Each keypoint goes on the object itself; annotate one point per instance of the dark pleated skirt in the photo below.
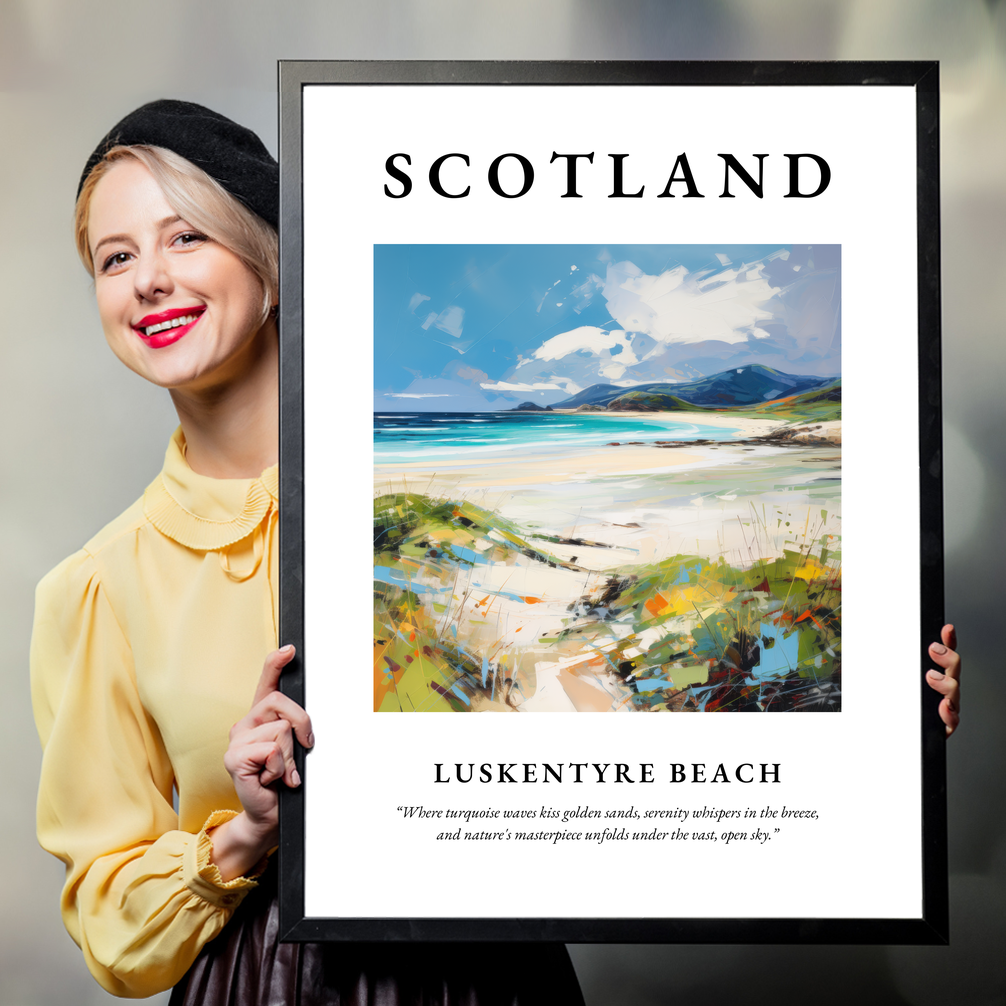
(246, 965)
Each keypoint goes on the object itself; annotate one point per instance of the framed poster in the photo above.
(633, 371)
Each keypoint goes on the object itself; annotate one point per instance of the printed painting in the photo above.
(607, 478)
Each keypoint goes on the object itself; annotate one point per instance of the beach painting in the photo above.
(607, 478)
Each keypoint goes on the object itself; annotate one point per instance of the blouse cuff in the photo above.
(202, 876)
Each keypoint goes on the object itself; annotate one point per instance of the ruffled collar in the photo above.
(203, 513)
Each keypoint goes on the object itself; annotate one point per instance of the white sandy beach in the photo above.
(619, 506)
(648, 501)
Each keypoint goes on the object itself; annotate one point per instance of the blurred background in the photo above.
(84, 437)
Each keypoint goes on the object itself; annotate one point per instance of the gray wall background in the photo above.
(82, 436)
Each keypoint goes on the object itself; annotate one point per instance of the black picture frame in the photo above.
(931, 926)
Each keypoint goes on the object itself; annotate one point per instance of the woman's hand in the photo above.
(947, 682)
(260, 753)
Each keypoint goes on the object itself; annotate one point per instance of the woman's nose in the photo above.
(152, 277)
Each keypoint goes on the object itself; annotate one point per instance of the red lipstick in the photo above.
(165, 333)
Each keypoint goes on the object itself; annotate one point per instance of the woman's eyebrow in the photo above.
(109, 240)
(160, 225)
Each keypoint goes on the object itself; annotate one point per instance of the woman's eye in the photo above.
(190, 238)
(114, 261)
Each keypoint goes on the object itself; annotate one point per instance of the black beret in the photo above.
(230, 154)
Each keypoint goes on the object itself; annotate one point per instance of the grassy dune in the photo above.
(687, 633)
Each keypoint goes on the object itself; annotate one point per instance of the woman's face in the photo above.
(177, 308)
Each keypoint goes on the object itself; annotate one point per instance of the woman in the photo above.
(148, 643)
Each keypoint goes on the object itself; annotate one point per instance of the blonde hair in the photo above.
(199, 200)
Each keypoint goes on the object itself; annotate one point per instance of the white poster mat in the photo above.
(859, 769)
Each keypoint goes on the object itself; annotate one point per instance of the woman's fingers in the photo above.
(261, 749)
(947, 680)
(271, 671)
(949, 712)
(274, 766)
(949, 688)
(949, 636)
(275, 706)
(278, 735)
(270, 703)
(947, 657)
(259, 761)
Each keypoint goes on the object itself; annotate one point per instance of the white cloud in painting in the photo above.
(613, 349)
(450, 320)
(417, 299)
(677, 325)
(586, 338)
(660, 320)
(570, 387)
(510, 386)
(683, 307)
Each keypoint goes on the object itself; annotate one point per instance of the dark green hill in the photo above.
(752, 384)
(821, 405)
(652, 401)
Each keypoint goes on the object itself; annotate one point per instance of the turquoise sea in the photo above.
(443, 437)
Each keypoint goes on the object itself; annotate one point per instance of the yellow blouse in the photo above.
(147, 647)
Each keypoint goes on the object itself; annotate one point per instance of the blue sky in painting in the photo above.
(482, 327)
